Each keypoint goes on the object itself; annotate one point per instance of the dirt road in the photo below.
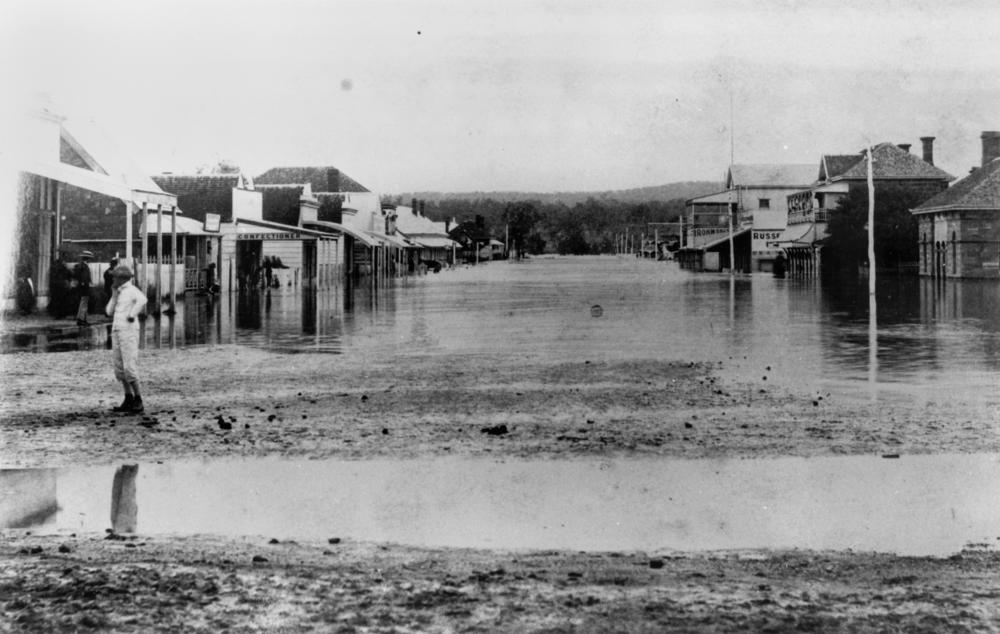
(54, 411)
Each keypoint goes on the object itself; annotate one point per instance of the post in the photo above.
(871, 227)
(159, 255)
(184, 252)
(732, 249)
(128, 231)
(58, 207)
(173, 256)
(145, 248)
(872, 308)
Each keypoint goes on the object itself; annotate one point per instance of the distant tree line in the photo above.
(535, 227)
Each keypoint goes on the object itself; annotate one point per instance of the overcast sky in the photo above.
(459, 95)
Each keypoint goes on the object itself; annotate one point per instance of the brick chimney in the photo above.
(413, 206)
(928, 142)
(991, 146)
(905, 146)
(333, 180)
(422, 202)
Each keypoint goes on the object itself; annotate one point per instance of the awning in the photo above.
(392, 241)
(99, 183)
(246, 227)
(800, 235)
(718, 198)
(724, 238)
(354, 233)
(185, 226)
(434, 242)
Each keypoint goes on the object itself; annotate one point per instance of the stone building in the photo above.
(959, 229)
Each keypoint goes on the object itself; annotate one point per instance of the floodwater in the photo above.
(804, 333)
(931, 338)
(912, 505)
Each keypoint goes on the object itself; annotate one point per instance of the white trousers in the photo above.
(125, 352)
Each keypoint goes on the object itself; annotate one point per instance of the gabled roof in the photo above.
(836, 164)
(771, 175)
(409, 223)
(321, 179)
(889, 161)
(78, 152)
(978, 190)
(280, 203)
(102, 154)
(200, 194)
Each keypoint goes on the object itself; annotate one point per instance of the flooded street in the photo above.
(802, 333)
(595, 438)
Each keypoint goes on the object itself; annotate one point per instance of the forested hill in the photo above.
(656, 193)
(562, 222)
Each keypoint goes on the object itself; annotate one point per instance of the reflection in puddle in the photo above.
(919, 505)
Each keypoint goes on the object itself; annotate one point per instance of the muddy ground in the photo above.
(54, 411)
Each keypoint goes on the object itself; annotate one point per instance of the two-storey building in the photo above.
(754, 203)
(809, 210)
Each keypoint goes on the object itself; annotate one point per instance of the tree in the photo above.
(520, 219)
(896, 233)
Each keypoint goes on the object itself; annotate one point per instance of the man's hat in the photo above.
(87, 255)
(123, 271)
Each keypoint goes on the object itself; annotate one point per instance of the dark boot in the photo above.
(125, 406)
(136, 407)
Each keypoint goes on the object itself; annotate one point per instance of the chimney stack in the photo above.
(905, 147)
(413, 206)
(333, 180)
(928, 142)
(422, 207)
(991, 146)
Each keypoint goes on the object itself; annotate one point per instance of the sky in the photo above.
(466, 95)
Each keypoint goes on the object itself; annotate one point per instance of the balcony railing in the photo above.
(811, 215)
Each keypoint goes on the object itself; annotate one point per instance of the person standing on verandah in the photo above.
(81, 274)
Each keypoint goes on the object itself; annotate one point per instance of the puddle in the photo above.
(914, 505)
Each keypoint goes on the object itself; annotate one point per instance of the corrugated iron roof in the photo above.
(320, 178)
(198, 194)
(771, 175)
